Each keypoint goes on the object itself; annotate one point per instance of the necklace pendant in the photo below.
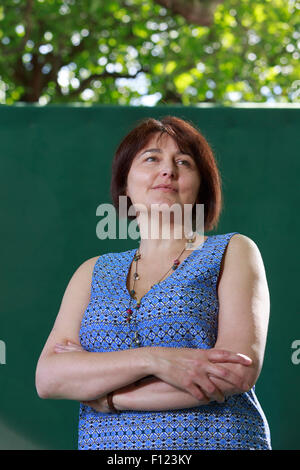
(176, 263)
(129, 314)
(136, 339)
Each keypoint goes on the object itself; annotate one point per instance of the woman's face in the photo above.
(161, 163)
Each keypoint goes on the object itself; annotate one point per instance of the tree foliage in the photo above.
(122, 51)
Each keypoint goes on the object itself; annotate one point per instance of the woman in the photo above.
(162, 345)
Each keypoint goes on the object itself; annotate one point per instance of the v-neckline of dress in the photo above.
(167, 279)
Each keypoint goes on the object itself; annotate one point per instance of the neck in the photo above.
(152, 249)
(164, 240)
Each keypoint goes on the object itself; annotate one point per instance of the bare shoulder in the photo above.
(89, 263)
(79, 285)
(242, 256)
(73, 305)
(87, 267)
(241, 241)
(242, 248)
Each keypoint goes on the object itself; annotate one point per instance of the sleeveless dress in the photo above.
(180, 311)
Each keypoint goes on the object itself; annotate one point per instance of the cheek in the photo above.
(138, 181)
(196, 185)
(190, 187)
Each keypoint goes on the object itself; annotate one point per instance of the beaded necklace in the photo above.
(136, 277)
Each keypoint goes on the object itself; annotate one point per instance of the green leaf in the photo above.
(139, 30)
(182, 81)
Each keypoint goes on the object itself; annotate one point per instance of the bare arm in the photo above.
(243, 322)
(156, 394)
(152, 394)
(83, 375)
(244, 306)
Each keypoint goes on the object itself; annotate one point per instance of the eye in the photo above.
(186, 162)
(148, 158)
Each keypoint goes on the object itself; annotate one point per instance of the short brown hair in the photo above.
(189, 140)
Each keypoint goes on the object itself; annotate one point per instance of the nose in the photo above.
(168, 170)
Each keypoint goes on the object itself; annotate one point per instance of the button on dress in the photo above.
(179, 312)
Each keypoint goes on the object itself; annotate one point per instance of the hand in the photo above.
(229, 389)
(190, 369)
(99, 404)
(68, 347)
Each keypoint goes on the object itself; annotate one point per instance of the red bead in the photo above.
(176, 261)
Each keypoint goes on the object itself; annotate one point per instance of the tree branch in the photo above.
(28, 29)
(98, 76)
(199, 12)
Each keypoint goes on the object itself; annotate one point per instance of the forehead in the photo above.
(158, 141)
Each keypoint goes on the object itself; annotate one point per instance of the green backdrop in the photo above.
(55, 171)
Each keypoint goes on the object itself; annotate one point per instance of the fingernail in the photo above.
(246, 358)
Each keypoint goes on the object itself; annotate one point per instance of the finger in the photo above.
(76, 347)
(198, 393)
(91, 403)
(226, 388)
(62, 345)
(59, 347)
(211, 390)
(65, 349)
(68, 348)
(218, 394)
(69, 343)
(221, 355)
(59, 351)
(229, 376)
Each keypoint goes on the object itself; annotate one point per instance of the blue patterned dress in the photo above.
(181, 311)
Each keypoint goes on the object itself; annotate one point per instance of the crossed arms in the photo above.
(169, 378)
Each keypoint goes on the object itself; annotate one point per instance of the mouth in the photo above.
(166, 189)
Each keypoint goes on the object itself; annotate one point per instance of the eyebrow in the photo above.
(159, 150)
